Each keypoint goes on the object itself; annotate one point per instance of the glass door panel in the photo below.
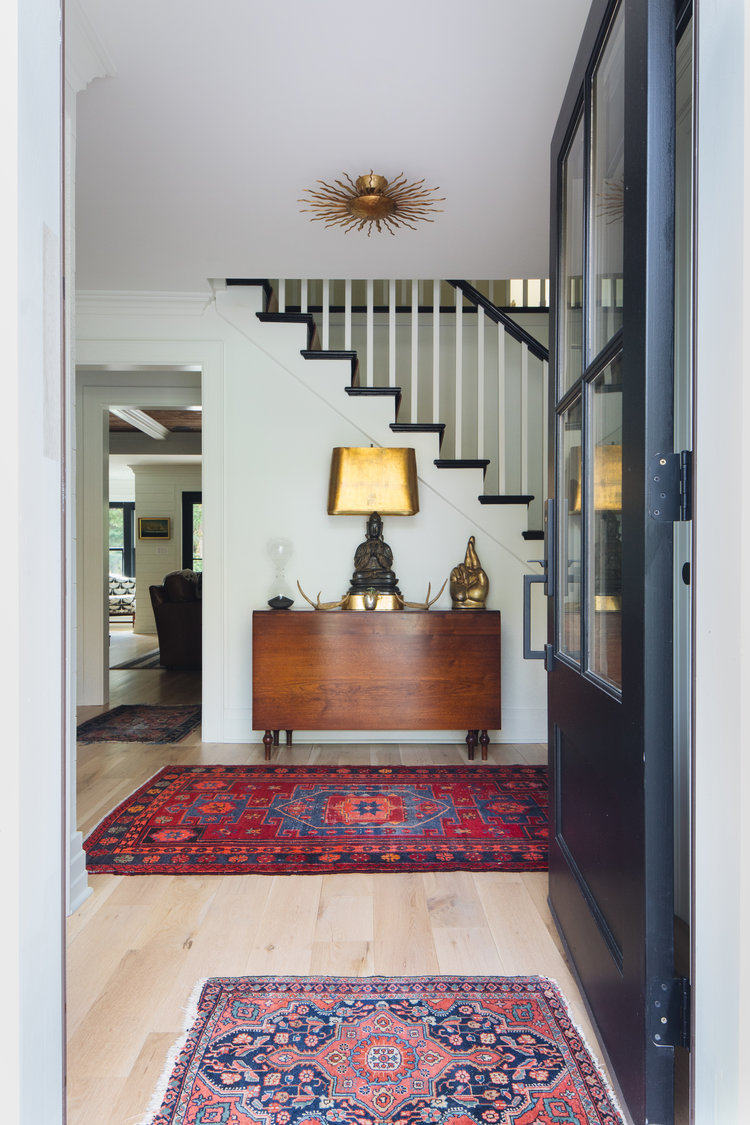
(570, 544)
(607, 192)
(571, 287)
(604, 527)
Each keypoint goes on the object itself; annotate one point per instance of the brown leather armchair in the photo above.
(177, 609)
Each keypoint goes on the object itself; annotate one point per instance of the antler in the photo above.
(319, 604)
(422, 605)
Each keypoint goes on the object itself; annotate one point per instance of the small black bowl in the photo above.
(281, 603)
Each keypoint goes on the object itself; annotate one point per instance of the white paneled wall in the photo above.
(158, 492)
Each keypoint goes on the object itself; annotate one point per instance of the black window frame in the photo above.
(189, 500)
(128, 537)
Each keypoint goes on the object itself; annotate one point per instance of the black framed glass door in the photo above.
(609, 554)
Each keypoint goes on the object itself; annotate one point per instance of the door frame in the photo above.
(721, 557)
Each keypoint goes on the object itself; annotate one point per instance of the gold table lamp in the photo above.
(373, 482)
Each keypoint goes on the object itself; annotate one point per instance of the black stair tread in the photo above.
(532, 534)
(506, 499)
(377, 392)
(350, 357)
(418, 427)
(328, 354)
(289, 317)
(462, 463)
(313, 342)
(373, 391)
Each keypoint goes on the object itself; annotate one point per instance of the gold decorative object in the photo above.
(322, 605)
(427, 602)
(371, 201)
(469, 584)
(373, 600)
(373, 480)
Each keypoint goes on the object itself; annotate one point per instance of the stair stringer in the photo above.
(372, 416)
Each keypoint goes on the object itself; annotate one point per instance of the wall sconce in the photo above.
(373, 482)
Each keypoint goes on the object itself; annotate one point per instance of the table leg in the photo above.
(276, 738)
(267, 744)
(471, 741)
(289, 738)
(484, 741)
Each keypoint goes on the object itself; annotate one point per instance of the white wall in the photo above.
(158, 492)
(122, 488)
(32, 685)
(721, 934)
(267, 440)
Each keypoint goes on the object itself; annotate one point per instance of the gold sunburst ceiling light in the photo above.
(371, 202)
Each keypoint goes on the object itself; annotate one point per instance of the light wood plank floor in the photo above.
(138, 944)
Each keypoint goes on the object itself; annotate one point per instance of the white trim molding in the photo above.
(86, 57)
(125, 303)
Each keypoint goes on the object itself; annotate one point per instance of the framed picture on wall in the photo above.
(154, 527)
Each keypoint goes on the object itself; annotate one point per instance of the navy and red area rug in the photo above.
(382, 1051)
(277, 820)
(141, 722)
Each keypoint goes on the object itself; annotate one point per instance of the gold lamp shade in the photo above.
(373, 479)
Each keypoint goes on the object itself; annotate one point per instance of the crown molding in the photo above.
(90, 302)
(86, 57)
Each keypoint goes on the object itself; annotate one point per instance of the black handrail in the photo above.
(493, 312)
(499, 317)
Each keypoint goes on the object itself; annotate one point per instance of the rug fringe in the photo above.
(190, 1014)
(594, 1060)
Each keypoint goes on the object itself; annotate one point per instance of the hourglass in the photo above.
(280, 551)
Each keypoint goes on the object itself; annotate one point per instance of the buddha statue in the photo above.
(469, 585)
(373, 560)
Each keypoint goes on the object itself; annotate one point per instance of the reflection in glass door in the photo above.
(604, 536)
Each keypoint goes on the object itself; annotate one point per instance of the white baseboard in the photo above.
(78, 886)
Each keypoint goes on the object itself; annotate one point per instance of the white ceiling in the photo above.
(192, 156)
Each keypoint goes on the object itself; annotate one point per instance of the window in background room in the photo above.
(192, 531)
(122, 538)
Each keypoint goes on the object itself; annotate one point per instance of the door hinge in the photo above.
(669, 1013)
(670, 487)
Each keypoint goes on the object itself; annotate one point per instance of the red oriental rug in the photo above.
(383, 1051)
(272, 820)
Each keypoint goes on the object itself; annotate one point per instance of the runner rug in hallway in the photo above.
(276, 820)
(141, 722)
(382, 1051)
(147, 660)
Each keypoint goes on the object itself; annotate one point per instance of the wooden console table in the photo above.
(378, 670)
